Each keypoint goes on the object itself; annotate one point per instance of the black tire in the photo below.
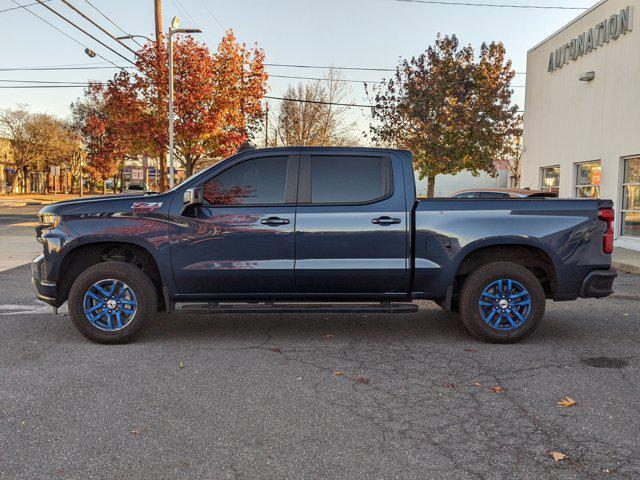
(473, 292)
(137, 281)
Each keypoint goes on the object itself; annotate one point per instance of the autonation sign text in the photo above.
(605, 31)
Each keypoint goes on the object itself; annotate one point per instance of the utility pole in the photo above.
(158, 16)
(266, 125)
(173, 29)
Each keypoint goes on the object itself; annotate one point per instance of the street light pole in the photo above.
(173, 29)
(131, 37)
(171, 165)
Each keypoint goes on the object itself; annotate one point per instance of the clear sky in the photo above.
(358, 33)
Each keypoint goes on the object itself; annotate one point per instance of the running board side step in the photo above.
(277, 307)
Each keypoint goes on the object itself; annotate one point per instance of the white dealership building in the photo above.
(582, 112)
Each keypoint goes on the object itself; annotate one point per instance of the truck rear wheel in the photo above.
(110, 302)
(502, 302)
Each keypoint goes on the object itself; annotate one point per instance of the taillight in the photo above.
(607, 215)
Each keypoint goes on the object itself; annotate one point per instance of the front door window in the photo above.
(260, 181)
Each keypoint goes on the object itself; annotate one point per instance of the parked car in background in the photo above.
(135, 189)
(319, 230)
(503, 193)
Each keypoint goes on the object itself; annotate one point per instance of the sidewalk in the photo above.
(626, 260)
(21, 200)
(18, 250)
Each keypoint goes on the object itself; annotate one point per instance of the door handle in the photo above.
(385, 220)
(274, 221)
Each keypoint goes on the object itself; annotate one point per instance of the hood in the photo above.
(113, 203)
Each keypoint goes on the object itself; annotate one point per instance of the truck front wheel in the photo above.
(502, 302)
(111, 301)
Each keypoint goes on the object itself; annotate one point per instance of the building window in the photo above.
(631, 197)
(550, 179)
(588, 180)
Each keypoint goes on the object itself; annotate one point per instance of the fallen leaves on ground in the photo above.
(276, 349)
(497, 389)
(181, 364)
(566, 402)
(449, 385)
(557, 456)
(362, 380)
(338, 373)
(477, 384)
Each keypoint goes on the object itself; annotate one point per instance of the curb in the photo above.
(626, 268)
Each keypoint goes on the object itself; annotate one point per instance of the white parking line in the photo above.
(40, 309)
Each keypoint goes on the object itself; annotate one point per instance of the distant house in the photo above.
(6, 162)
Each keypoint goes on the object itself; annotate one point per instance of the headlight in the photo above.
(49, 220)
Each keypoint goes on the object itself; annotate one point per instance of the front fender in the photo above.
(149, 232)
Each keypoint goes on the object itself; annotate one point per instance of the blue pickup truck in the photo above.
(318, 230)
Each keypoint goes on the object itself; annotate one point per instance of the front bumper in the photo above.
(598, 283)
(45, 290)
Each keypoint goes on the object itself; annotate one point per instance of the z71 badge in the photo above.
(145, 207)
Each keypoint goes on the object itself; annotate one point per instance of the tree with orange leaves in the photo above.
(105, 145)
(216, 100)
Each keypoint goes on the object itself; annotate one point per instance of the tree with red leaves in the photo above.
(95, 118)
(216, 100)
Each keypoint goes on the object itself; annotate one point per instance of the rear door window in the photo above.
(349, 179)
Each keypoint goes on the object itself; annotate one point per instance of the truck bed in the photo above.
(447, 230)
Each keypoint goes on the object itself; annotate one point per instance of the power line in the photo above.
(112, 22)
(82, 30)
(88, 67)
(345, 80)
(278, 76)
(212, 15)
(50, 82)
(61, 31)
(183, 9)
(269, 97)
(61, 65)
(42, 69)
(324, 79)
(331, 67)
(493, 5)
(44, 86)
(319, 102)
(21, 6)
(98, 26)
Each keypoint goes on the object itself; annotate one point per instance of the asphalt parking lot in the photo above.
(357, 396)
(312, 396)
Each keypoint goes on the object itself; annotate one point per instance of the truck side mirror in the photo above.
(192, 196)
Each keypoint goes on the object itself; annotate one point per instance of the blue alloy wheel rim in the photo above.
(110, 305)
(505, 304)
